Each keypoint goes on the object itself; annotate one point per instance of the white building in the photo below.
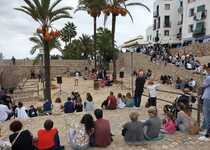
(166, 22)
(196, 22)
(150, 35)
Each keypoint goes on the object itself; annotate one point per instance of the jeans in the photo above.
(206, 113)
(137, 100)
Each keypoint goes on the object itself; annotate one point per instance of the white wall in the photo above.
(189, 20)
(149, 34)
(174, 18)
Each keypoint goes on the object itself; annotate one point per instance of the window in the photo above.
(158, 22)
(191, 12)
(166, 32)
(167, 6)
(155, 24)
(167, 22)
(201, 8)
(190, 30)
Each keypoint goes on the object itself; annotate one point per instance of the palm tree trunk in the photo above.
(95, 28)
(47, 79)
(113, 46)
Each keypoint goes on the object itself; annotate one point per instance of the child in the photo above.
(32, 112)
(78, 105)
(152, 101)
(129, 100)
(169, 125)
(89, 104)
(76, 79)
(69, 105)
(21, 111)
(152, 126)
(120, 103)
(110, 103)
(57, 106)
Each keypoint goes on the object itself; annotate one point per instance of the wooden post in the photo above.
(38, 89)
(199, 111)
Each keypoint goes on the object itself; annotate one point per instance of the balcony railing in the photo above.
(180, 10)
(167, 25)
(155, 14)
(200, 30)
(180, 22)
(200, 16)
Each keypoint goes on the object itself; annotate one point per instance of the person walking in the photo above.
(206, 104)
(140, 81)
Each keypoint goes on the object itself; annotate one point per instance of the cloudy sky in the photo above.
(17, 27)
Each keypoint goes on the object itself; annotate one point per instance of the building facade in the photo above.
(166, 19)
(149, 35)
(196, 22)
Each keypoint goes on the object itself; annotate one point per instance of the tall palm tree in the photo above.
(39, 45)
(116, 8)
(68, 32)
(87, 44)
(94, 9)
(45, 13)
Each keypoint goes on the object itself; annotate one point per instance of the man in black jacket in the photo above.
(140, 81)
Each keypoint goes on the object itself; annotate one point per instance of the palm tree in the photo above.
(116, 8)
(39, 45)
(68, 32)
(45, 13)
(94, 9)
(87, 44)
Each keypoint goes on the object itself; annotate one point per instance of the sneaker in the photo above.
(203, 138)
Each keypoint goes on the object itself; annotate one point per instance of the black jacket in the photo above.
(140, 81)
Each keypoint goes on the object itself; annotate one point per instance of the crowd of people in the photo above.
(162, 55)
(98, 133)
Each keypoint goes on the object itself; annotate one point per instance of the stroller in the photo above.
(186, 99)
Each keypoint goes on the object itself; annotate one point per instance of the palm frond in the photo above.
(58, 17)
(54, 5)
(138, 4)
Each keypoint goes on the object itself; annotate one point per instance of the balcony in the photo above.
(180, 22)
(167, 25)
(179, 36)
(200, 16)
(155, 14)
(180, 10)
(200, 30)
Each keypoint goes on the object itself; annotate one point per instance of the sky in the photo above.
(16, 27)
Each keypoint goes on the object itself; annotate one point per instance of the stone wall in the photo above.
(198, 49)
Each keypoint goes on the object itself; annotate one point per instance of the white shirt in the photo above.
(152, 90)
(21, 113)
(4, 111)
(120, 103)
(77, 76)
(192, 83)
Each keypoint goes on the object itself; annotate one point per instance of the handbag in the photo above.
(124, 130)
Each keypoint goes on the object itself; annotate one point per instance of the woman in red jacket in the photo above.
(48, 138)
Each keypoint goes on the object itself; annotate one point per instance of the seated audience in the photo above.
(89, 104)
(120, 103)
(47, 107)
(133, 131)
(20, 139)
(179, 84)
(5, 113)
(48, 138)
(20, 111)
(183, 120)
(169, 124)
(110, 103)
(129, 100)
(102, 130)
(79, 137)
(57, 106)
(152, 126)
(78, 105)
(32, 112)
(69, 106)
(186, 98)
(192, 84)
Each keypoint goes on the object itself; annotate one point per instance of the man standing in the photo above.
(206, 104)
(140, 81)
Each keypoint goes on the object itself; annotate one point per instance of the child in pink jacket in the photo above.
(169, 125)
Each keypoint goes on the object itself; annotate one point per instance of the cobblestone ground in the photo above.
(117, 118)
